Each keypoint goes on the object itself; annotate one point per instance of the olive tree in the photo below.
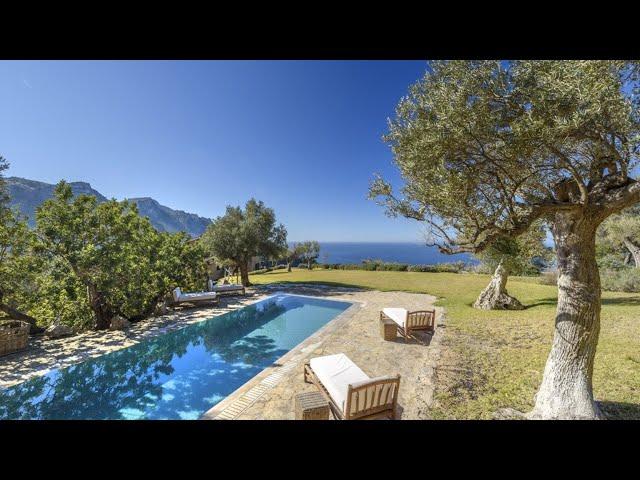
(621, 232)
(290, 254)
(487, 148)
(308, 251)
(511, 255)
(241, 234)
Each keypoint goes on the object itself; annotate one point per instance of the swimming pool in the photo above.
(178, 375)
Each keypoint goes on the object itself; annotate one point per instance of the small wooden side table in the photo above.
(388, 328)
(311, 406)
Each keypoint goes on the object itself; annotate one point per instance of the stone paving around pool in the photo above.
(270, 395)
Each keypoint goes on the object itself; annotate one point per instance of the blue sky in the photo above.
(304, 137)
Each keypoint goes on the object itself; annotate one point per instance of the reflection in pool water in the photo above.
(179, 375)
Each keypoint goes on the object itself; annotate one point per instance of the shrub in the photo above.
(102, 259)
(612, 261)
(453, 267)
(368, 266)
(549, 278)
(624, 280)
(392, 267)
(380, 266)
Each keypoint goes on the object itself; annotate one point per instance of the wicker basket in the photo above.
(14, 335)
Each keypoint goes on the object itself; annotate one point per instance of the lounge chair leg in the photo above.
(306, 379)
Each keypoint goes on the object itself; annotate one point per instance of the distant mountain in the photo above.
(167, 219)
(27, 195)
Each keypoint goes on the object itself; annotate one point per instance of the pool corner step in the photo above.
(247, 399)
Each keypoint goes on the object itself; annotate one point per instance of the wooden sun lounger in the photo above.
(368, 398)
(410, 322)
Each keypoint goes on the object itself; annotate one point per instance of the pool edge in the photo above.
(248, 393)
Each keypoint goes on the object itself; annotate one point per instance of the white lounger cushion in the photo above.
(336, 372)
(223, 288)
(179, 296)
(398, 315)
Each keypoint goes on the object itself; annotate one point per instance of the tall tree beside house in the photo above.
(523, 255)
(18, 265)
(290, 254)
(241, 234)
(488, 148)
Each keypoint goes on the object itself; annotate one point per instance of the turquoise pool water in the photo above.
(178, 375)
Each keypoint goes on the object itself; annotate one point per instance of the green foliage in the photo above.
(289, 254)
(446, 267)
(621, 280)
(615, 260)
(241, 234)
(380, 266)
(617, 236)
(523, 255)
(18, 266)
(307, 252)
(487, 148)
(104, 259)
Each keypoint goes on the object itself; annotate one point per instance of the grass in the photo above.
(495, 359)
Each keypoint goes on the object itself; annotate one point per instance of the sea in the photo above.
(412, 253)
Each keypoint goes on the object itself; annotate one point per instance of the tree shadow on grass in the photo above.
(622, 301)
(620, 410)
(542, 301)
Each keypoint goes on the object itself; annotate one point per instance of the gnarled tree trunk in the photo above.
(634, 250)
(18, 315)
(566, 388)
(101, 309)
(495, 296)
(244, 274)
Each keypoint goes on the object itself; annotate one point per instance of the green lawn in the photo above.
(495, 359)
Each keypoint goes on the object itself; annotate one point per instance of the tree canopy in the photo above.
(86, 262)
(523, 255)
(488, 148)
(238, 235)
(308, 251)
(18, 267)
(109, 250)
